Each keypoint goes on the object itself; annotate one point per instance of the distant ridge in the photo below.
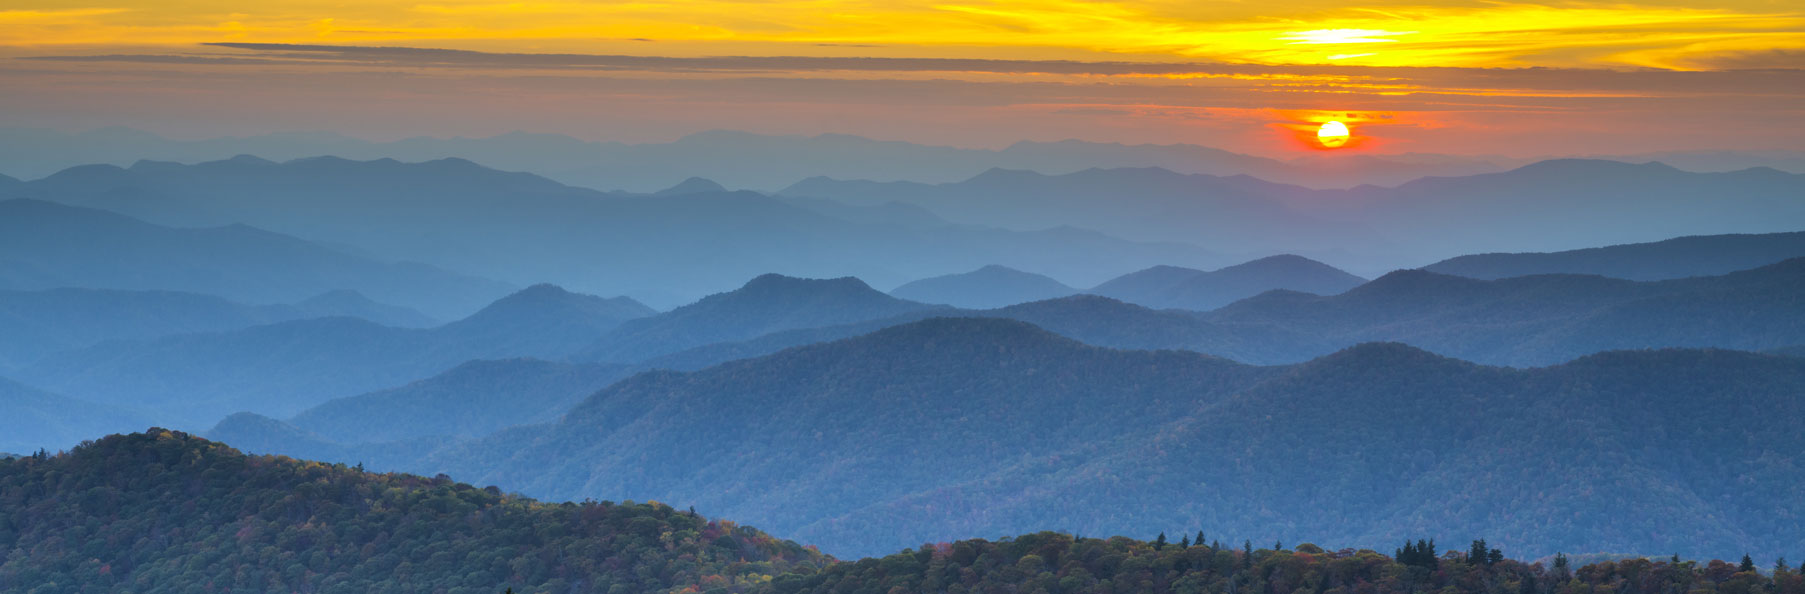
(768, 303)
(1680, 257)
(989, 287)
(1170, 287)
(49, 245)
(283, 368)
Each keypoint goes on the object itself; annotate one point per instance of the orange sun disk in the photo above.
(1332, 134)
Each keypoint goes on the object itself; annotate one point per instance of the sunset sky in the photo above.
(1445, 76)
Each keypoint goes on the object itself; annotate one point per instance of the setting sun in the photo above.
(1332, 134)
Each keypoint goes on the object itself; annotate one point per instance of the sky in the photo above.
(1433, 76)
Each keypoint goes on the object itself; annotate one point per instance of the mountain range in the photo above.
(1544, 206)
(37, 323)
(1680, 257)
(284, 368)
(665, 250)
(767, 162)
(951, 427)
(44, 245)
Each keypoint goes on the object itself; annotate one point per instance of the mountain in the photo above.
(985, 288)
(766, 304)
(471, 400)
(663, 250)
(1680, 257)
(284, 368)
(47, 246)
(818, 431)
(1171, 287)
(1539, 320)
(1382, 443)
(1535, 320)
(948, 428)
(36, 419)
(272, 524)
(694, 185)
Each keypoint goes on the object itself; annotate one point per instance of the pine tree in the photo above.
(1247, 553)
(1747, 564)
(1184, 542)
(1528, 585)
(1159, 543)
(1199, 539)
(1476, 554)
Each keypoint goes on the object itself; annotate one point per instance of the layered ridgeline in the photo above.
(279, 369)
(956, 427)
(1172, 287)
(1547, 206)
(664, 249)
(37, 323)
(51, 246)
(35, 419)
(1681, 257)
(1535, 320)
(166, 512)
(393, 428)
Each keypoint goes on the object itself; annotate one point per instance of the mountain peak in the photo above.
(774, 283)
(693, 185)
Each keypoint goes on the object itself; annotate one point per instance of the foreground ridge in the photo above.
(165, 511)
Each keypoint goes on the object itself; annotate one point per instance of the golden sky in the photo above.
(1137, 71)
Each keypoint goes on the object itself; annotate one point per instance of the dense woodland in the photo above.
(164, 511)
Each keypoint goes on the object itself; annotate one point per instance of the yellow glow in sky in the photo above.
(1649, 33)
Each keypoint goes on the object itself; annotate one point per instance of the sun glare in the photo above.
(1332, 134)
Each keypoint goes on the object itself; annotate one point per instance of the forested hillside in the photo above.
(165, 512)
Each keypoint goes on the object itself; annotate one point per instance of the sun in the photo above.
(1332, 134)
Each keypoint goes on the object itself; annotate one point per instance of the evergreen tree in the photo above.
(1747, 564)
(1495, 557)
(1199, 539)
(1477, 554)
(1247, 554)
(1184, 542)
(1159, 543)
(1528, 585)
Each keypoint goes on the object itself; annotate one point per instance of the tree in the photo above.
(1184, 542)
(1747, 564)
(1478, 553)
(1159, 543)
